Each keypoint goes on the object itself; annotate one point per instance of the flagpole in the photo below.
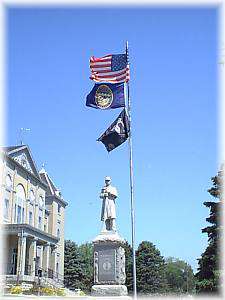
(131, 187)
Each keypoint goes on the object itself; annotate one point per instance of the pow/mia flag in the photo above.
(106, 96)
(117, 133)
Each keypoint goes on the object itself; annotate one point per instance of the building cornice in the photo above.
(57, 199)
(29, 230)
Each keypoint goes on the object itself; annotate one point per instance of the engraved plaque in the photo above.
(106, 265)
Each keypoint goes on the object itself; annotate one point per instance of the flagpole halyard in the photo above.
(128, 103)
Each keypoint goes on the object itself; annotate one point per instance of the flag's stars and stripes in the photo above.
(110, 68)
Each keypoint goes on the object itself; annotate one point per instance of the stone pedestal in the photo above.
(109, 265)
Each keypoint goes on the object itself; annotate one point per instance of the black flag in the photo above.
(117, 133)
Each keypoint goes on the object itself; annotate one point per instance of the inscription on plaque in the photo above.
(106, 265)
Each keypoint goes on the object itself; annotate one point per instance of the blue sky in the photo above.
(174, 94)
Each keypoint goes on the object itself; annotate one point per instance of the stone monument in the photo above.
(109, 254)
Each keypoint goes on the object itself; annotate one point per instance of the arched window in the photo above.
(19, 212)
(58, 233)
(8, 181)
(31, 207)
(41, 201)
(41, 213)
(32, 196)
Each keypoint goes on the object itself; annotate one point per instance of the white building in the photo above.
(33, 220)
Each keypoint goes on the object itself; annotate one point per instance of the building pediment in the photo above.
(22, 155)
(23, 161)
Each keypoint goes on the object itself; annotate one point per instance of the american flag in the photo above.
(110, 68)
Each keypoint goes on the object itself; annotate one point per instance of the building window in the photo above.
(41, 201)
(46, 224)
(6, 209)
(20, 204)
(32, 196)
(19, 217)
(30, 218)
(20, 214)
(15, 213)
(58, 233)
(59, 208)
(23, 215)
(39, 222)
(8, 182)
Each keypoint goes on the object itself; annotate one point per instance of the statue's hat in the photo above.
(107, 178)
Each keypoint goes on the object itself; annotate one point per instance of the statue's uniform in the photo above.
(108, 207)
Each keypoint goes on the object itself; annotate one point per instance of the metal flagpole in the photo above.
(131, 187)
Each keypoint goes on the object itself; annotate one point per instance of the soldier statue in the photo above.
(108, 214)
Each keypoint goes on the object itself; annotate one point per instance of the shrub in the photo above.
(81, 293)
(28, 292)
(48, 291)
(16, 289)
(33, 290)
(60, 292)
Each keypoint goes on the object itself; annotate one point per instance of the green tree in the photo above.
(128, 266)
(179, 276)
(72, 265)
(78, 266)
(208, 275)
(150, 269)
(86, 258)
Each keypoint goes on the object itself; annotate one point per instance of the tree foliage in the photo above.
(150, 269)
(72, 266)
(208, 271)
(128, 267)
(86, 257)
(78, 266)
(179, 276)
(154, 274)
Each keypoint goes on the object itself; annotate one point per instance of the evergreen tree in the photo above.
(179, 276)
(150, 269)
(208, 270)
(128, 266)
(72, 265)
(86, 257)
(78, 266)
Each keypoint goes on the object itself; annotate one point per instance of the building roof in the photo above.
(11, 148)
(52, 189)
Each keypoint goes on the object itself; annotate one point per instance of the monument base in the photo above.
(109, 290)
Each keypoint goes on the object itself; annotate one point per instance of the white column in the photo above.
(47, 247)
(22, 241)
(47, 255)
(54, 259)
(41, 257)
(34, 255)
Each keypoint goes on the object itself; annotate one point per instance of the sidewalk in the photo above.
(13, 297)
